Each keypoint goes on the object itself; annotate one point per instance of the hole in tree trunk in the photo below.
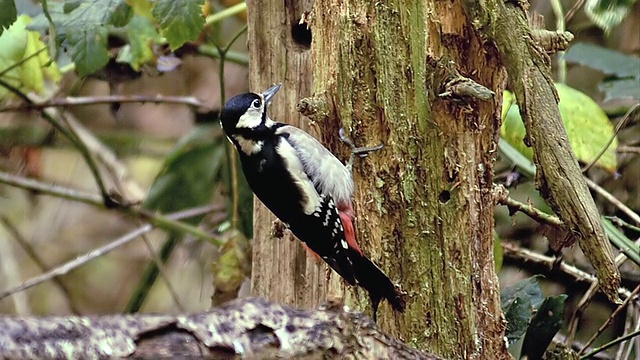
(301, 34)
(444, 197)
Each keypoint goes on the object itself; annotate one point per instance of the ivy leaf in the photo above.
(544, 326)
(518, 302)
(8, 15)
(180, 20)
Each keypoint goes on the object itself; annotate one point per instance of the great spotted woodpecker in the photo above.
(306, 187)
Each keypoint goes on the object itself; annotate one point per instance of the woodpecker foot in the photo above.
(356, 151)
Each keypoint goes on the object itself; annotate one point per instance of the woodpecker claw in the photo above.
(359, 151)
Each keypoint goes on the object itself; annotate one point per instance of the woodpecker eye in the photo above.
(256, 103)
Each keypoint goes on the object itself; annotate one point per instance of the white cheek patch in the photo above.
(247, 146)
(251, 119)
(310, 197)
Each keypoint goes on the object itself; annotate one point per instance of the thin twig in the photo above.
(111, 99)
(610, 344)
(629, 149)
(83, 259)
(578, 4)
(585, 300)
(163, 272)
(621, 223)
(129, 190)
(157, 220)
(516, 252)
(28, 249)
(228, 12)
(232, 162)
(51, 189)
(21, 61)
(501, 196)
(610, 319)
(617, 203)
(556, 6)
(46, 114)
(619, 126)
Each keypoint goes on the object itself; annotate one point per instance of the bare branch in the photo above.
(155, 219)
(27, 248)
(112, 99)
(83, 259)
(501, 195)
(617, 311)
(612, 199)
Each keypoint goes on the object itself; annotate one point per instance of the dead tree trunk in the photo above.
(281, 269)
(424, 203)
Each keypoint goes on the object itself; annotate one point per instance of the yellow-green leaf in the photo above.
(588, 127)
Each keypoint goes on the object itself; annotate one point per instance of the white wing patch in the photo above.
(248, 146)
(311, 200)
(326, 172)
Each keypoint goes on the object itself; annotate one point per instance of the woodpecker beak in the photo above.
(270, 93)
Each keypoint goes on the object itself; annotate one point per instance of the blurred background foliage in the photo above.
(141, 84)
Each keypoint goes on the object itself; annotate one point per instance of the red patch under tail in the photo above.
(347, 216)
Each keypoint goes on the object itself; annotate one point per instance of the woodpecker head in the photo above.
(247, 111)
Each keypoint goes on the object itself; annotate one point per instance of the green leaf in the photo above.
(608, 61)
(518, 301)
(543, 327)
(121, 15)
(512, 130)
(89, 50)
(142, 35)
(517, 314)
(187, 177)
(84, 26)
(8, 15)
(180, 20)
(607, 13)
(588, 128)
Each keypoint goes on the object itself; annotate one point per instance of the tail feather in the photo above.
(377, 284)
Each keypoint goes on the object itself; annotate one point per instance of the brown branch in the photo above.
(613, 200)
(248, 328)
(501, 195)
(95, 100)
(617, 311)
(558, 176)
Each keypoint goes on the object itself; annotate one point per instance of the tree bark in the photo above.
(423, 204)
(247, 328)
(281, 270)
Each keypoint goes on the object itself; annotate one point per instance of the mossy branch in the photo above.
(558, 177)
